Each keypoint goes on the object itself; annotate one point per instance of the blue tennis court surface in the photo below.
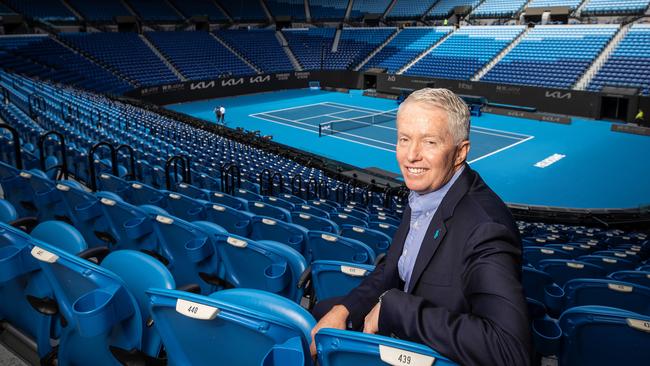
(582, 165)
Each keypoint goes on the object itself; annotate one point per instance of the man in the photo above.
(639, 118)
(217, 113)
(222, 111)
(451, 278)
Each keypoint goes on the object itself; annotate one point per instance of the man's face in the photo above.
(426, 152)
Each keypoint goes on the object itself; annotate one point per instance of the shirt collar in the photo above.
(428, 202)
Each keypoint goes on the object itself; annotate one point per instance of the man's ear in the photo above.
(462, 152)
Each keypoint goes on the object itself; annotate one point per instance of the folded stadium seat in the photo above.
(378, 241)
(341, 348)
(293, 199)
(383, 227)
(604, 292)
(143, 194)
(626, 255)
(232, 220)
(13, 182)
(279, 202)
(563, 270)
(7, 212)
(188, 250)
(328, 246)
(533, 254)
(105, 306)
(184, 207)
(389, 219)
(336, 278)
(313, 211)
(129, 226)
(221, 198)
(575, 250)
(85, 213)
(609, 264)
(355, 212)
(343, 219)
(638, 277)
(327, 205)
(192, 191)
(577, 338)
(264, 228)
(263, 264)
(247, 195)
(206, 181)
(311, 222)
(268, 210)
(47, 199)
(252, 328)
(24, 289)
(111, 183)
(537, 284)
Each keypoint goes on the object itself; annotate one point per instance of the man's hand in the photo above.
(371, 322)
(335, 318)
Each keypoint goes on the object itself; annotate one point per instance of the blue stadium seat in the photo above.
(7, 212)
(340, 348)
(562, 270)
(264, 228)
(268, 210)
(328, 246)
(311, 222)
(275, 330)
(336, 278)
(378, 241)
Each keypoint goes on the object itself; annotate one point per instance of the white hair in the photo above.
(457, 111)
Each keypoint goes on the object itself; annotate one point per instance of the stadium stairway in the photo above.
(376, 50)
(598, 63)
(423, 54)
(577, 13)
(498, 58)
(162, 58)
(287, 50)
(73, 10)
(236, 53)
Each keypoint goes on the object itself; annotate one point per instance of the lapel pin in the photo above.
(435, 236)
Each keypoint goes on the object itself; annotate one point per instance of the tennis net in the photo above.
(334, 127)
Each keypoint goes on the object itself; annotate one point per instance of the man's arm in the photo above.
(496, 331)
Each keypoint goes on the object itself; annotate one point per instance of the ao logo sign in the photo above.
(558, 95)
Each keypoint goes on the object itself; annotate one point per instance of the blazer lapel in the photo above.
(437, 228)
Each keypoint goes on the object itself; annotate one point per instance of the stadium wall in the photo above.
(556, 101)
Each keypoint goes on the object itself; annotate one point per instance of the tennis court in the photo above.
(375, 128)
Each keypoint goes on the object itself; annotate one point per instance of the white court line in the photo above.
(316, 132)
(495, 130)
(290, 108)
(360, 109)
(501, 149)
(310, 125)
(366, 123)
(496, 134)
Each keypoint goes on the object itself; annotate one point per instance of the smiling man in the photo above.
(451, 278)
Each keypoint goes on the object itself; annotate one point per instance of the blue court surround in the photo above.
(600, 168)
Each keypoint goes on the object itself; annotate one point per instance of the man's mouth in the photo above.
(416, 171)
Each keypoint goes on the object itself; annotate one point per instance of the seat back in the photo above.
(99, 310)
(266, 228)
(264, 265)
(184, 207)
(128, 225)
(533, 254)
(311, 222)
(638, 277)
(333, 278)
(584, 328)
(234, 327)
(188, 249)
(234, 221)
(562, 270)
(7, 211)
(327, 246)
(269, 210)
(342, 348)
(378, 241)
(607, 292)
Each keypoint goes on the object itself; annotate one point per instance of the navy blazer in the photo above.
(465, 298)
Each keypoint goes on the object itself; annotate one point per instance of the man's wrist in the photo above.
(341, 310)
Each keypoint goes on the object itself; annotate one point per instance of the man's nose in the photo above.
(414, 152)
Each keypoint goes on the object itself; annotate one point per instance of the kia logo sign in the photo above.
(202, 85)
(232, 82)
(558, 95)
(260, 79)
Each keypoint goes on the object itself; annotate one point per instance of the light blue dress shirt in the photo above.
(423, 207)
